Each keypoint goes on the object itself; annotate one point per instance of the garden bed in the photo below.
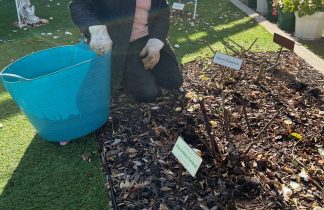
(139, 138)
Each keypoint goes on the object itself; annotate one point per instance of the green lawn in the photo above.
(217, 21)
(35, 174)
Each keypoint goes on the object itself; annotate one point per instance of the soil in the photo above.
(138, 139)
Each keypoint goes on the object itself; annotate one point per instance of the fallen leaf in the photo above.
(165, 189)
(264, 178)
(117, 175)
(190, 109)
(116, 142)
(309, 196)
(141, 185)
(155, 108)
(191, 95)
(304, 175)
(168, 172)
(125, 185)
(86, 156)
(288, 170)
(288, 121)
(204, 77)
(320, 149)
(163, 207)
(203, 207)
(178, 109)
(198, 152)
(286, 191)
(318, 208)
(295, 200)
(131, 151)
(213, 123)
(295, 186)
(296, 135)
(112, 152)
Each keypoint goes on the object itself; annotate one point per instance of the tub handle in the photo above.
(13, 76)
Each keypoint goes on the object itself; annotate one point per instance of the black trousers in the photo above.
(144, 85)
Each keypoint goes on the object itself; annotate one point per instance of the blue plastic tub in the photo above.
(63, 91)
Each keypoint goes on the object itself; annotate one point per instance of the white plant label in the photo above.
(228, 61)
(186, 156)
(178, 6)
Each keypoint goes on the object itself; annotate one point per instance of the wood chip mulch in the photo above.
(283, 169)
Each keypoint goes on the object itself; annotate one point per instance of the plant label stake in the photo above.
(228, 61)
(195, 9)
(18, 14)
(284, 42)
(178, 6)
(186, 156)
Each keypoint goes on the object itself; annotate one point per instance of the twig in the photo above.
(248, 50)
(226, 124)
(250, 133)
(225, 47)
(225, 116)
(278, 56)
(208, 45)
(261, 132)
(231, 47)
(240, 46)
(252, 61)
(257, 80)
(214, 146)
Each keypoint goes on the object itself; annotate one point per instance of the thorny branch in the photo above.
(261, 132)
(250, 133)
(214, 146)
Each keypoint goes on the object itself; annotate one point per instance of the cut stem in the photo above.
(261, 132)
(213, 145)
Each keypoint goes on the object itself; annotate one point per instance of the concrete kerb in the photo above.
(312, 59)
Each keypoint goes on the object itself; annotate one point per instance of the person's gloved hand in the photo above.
(100, 40)
(152, 53)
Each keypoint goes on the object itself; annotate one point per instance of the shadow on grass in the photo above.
(2, 89)
(50, 176)
(215, 35)
(8, 108)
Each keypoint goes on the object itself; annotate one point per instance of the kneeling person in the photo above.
(135, 32)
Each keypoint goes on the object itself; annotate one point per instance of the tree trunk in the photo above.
(27, 12)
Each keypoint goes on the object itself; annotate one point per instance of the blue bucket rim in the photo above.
(50, 74)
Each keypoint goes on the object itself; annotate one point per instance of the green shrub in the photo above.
(303, 7)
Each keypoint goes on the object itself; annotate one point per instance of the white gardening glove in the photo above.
(100, 40)
(152, 53)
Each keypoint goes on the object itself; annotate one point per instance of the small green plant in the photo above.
(303, 7)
